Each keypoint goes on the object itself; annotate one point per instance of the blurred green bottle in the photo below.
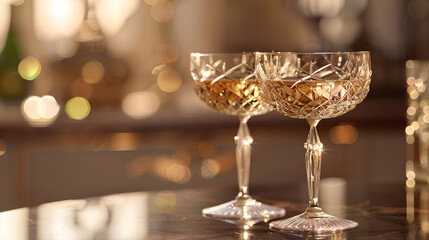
(12, 86)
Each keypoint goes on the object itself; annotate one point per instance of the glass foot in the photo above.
(314, 222)
(245, 212)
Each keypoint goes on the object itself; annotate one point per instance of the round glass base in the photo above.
(244, 212)
(314, 222)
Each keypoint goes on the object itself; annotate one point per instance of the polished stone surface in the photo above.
(383, 211)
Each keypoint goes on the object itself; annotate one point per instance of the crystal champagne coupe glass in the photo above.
(313, 86)
(227, 84)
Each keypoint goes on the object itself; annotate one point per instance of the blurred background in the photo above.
(96, 95)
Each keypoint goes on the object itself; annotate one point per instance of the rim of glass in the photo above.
(312, 53)
(214, 54)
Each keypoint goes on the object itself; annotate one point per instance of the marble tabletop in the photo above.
(383, 211)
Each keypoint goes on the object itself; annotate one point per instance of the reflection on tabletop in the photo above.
(123, 217)
(380, 210)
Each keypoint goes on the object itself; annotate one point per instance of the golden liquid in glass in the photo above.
(232, 97)
(315, 99)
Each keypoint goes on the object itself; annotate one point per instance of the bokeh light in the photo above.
(415, 125)
(93, 72)
(57, 19)
(178, 173)
(339, 31)
(112, 14)
(29, 68)
(343, 134)
(139, 105)
(409, 130)
(409, 139)
(162, 12)
(77, 108)
(414, 94)
(30, 107)
(411, 175)
(410, 183)
(40, 111)
(51, 107)
(411, 80)
(169, 81)
(418, 82)
(56, 23)
(210, 168)
(411, 110)
(172, 170)
(409, 64)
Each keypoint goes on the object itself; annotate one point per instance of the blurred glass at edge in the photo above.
(113, 75)
(417, 130)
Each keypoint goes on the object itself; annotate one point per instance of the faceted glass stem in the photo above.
(243, 141)
(313, 160)
(244, 211)
(313, 222)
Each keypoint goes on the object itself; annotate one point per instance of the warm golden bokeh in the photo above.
(93, 72)
(169, 81)
(77, 108)
(343, 134)
(29, 68)
(140, 105)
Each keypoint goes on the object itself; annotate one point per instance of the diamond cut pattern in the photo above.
(227, 84)
(320, 85)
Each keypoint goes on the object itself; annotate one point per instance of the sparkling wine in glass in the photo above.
(313, 86)
(227, 84)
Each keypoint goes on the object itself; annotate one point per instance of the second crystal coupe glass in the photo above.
(226, 83)
(313, 86)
